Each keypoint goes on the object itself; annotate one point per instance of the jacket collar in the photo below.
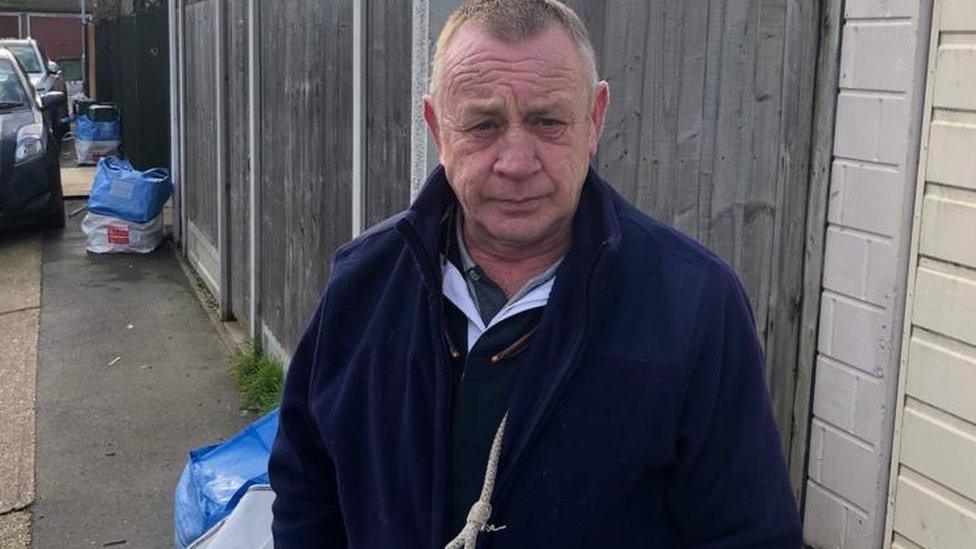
(563, 330)
(594, 225)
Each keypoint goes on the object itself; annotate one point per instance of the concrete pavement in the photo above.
(20, 274)
(130, 375)
(15, 530)
(77, 180)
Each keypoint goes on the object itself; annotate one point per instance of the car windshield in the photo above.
(27, 56)
(11, 88)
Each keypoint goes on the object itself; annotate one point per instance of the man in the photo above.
(522, 359)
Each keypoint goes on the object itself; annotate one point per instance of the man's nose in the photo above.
(517, 157)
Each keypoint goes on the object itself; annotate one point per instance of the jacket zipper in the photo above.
(505, 489)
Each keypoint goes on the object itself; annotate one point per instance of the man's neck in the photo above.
(511, 267)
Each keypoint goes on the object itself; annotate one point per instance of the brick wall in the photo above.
(884, 44)
(59, 36)
(9, 26)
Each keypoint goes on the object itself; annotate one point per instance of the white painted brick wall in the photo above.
(879, 107)
(871, 126)
(848, 399)
(864, 9)
(859, 265)
(868, 50)
(846, 464)
(840, 524)
(865, 197)
(854, 332)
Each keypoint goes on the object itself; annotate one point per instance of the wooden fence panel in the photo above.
(709, 131)
(388, 108)
(306, 165)
(238, 157)
(201, 127)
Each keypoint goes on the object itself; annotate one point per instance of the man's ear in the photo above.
(601, 102)
(430, 116)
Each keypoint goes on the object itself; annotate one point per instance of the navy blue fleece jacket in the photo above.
(640, 417)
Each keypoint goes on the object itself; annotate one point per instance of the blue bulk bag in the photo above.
(87, 129)
(216, 477)
(121, 191)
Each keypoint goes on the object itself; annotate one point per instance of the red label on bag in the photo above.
(118, 235)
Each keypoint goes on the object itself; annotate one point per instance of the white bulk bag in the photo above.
(248, 525)
(107, 234)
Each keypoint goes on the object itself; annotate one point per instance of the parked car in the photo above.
(45, 75)
(30, 173)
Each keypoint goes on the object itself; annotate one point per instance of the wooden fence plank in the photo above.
(306, 169)
(388, 109)
(786, 290)
(656, 159)
(238, 157)
(827, 72)
(690, 126)
(201, 128)
(624, 46)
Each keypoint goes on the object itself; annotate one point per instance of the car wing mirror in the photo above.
(53, 67)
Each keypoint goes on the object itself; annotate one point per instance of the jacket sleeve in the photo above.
(306, 507)
(730, 487)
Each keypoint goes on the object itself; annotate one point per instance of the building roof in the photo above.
(43, 6)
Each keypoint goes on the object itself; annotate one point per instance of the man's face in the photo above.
(516, 125)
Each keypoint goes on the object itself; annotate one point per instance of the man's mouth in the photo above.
(519, 201)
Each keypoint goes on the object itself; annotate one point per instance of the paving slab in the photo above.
(131, 375)
(77, 181)
(20, 270)
(15, 531)
(18, 340)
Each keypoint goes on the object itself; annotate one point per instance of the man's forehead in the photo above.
(502, 100)
(474, 53)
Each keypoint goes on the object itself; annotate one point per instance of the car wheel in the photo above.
(57, 216)
(60, 128)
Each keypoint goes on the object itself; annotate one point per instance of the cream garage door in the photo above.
(933, 475)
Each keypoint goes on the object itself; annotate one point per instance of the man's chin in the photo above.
(519, 232)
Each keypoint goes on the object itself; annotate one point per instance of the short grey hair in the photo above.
(513, 21)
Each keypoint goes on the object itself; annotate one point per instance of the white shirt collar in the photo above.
(455, 289)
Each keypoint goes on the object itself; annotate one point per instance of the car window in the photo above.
(11, 87)
(27, 55)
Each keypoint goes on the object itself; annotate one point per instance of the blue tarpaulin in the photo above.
(216, 477)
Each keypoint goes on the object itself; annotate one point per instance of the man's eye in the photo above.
(483, 128)
(550, 127)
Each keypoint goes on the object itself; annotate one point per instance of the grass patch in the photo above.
(258, 377)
